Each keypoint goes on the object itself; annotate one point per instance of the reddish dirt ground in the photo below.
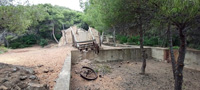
(126, 76)
(50, 58)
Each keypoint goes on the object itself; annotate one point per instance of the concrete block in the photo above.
(63, 81)
(110, 55)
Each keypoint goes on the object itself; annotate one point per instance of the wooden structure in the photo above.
(85, 45)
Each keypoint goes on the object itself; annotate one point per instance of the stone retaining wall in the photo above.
(110, 55)
(192, 60)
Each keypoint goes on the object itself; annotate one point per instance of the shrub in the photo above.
(195, 46)
(3, 49)
(134, 40)
(151, 41)
(58, 36)
(175, 47)
(43, 42)
(24, 41)
(123, 39)
(118, 37)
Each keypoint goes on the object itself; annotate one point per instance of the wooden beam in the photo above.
(91, 33)
(86, 41)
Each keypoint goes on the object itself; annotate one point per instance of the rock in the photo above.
(15, 80)
(100, 76)
(22, 85)
(2, 87)
(8, 75)
(76, 71)
(78, 88)
(121, 63)
(3, 65)
(15, 69)
(76, 63)
(16, 88)
(32, 77)
(51, 70)
(40, 65)
(30, 71)
(46, 71)
(3, 80)
(35, 86)
(8, 84)
(128, 62)
(23, 77)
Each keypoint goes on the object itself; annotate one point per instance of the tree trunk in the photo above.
(53, 32)
(114, 36)
(180, 62)
(38, 31)
(6, 43)
(142, 50)
(102, 37)
(171, 50)
(99, 38)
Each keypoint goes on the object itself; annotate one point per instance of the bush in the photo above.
(134, 40)
(175, 47)
(123, 39)
(151, 41)
(195, 46)
(3, 49)
(58, 36)
(118, 37)
(43, 42)
(24, 41)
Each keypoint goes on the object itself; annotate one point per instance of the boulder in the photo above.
(35, 86)
(32, 77)
(2, 87)
(23, 77)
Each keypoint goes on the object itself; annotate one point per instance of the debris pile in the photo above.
(19, 78)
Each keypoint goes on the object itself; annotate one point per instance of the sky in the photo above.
(72, 4)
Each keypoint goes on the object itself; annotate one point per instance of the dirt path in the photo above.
(50, 59)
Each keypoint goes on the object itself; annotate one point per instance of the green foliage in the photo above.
(103, 68)
(3, 49)
(179, 11)
(43, 42)
(24, 41)
(134, 40)
(151, 41)
(56, 17)
(194, 46)
(9, 37)
(14, 18)
(83, 25)
(121, 38)
(103, 14)
(29, 39)
(175, 47)
(58, 36)
(36, 20)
